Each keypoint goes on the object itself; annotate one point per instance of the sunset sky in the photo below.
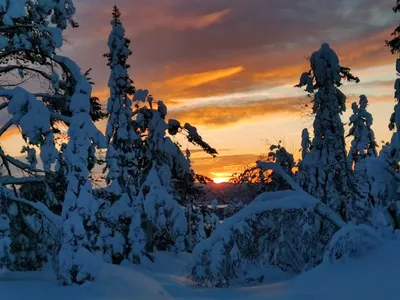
(228, 66)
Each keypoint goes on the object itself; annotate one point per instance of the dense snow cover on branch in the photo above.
(33, 117)
(283, 232)
(287, 229)
(48, 19)
(352, 242)
(328, 175)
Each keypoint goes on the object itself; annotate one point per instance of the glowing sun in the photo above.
(220, 179)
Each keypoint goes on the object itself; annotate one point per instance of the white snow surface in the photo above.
(165, 279)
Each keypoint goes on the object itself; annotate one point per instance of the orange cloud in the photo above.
(209, 19)
(167, 19)
(10, 133)
(223, 166)
(195, 80)
(369, 51)
(272, 69)
(223, 115)
(280, 75)
(102, 94)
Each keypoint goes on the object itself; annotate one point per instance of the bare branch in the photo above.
(21, 165)
(5, 180)
(3, 85)
(55, 97)
(61, 117)
(3, 105)
(55, 219)
(16, 67)
(30, 51)
(6, 126)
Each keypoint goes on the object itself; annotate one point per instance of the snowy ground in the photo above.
(372, 277)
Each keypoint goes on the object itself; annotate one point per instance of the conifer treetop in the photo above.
(394, 43)
(325, 69)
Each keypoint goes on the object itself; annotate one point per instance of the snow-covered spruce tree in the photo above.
(76, 264)
(304, 165)
(165, 223)
(329, 173)
(122, 161)
(305, 143)
(363, 144)
(374, 177)
(394, 155)
(394, 43)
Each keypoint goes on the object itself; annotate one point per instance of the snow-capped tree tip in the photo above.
(325, 67)
(394, 43)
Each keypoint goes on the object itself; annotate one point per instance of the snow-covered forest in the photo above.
(147, 232)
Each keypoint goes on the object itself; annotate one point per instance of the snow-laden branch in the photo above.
(265, 166)
(321, 209)
(6, 126)
(329, 214)
(39, 206)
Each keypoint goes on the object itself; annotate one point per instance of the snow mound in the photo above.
(352, 242)
(115, 282)
(374, 276)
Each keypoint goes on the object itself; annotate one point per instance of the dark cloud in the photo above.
(178, 37)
